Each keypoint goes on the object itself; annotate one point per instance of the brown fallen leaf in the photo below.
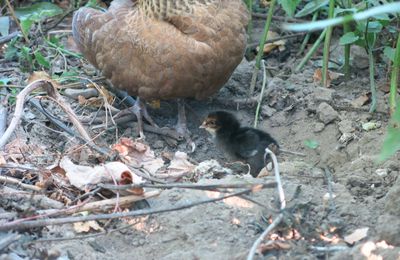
(83, 177)
(180, 164)
(36, 75)
(84, 227)
(357, 235)
(274, 245)
(361, 100)
(139, 154)
(331, 76)
(268, 47)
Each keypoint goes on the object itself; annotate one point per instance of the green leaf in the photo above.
(389, 52)
(312, 144)
(391, 144)
(289, 6)
(41, 59)
(374, 27)
(11, 51)
(35, 13)
(4, 25)
(311, 7)
(348, 38)
(39, 11)
(371, 39)
(4, 81)
(26, 24)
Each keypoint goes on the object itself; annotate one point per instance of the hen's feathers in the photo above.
(170, 54)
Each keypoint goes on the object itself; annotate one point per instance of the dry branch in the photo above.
(103, 205)
(19, 183)
(248, 185)
(282, 201)
(18, 225)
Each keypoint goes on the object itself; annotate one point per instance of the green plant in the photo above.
(36, 13)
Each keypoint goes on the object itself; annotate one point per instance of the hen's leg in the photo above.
(181, 126)
(140, 110)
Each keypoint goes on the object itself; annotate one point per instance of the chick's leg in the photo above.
(181, 126)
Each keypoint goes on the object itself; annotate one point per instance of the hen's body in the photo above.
(163, 49)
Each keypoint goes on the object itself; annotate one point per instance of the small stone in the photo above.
(158, 144)
(326, 113)
(392, 200)
(388, 227)
(346, 126)
(267, 111)
(318, 127)
(323, 94)
(381, 172)
(346, 138)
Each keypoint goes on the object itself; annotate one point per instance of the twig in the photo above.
(282, 200)
(278, 18)
(131, 117)
(11, 9)
(11, 180)
(328, 176)
(19, 104)
(255, 44)
(292, 152)
(328, 248)
(103, 205)
(3, 111)
(68, 130)
(264, 82)
(60, 221)
(40, 201)
(9, 37)
(191, 186)
(8, 240)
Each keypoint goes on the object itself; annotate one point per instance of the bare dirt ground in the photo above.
(366, 194)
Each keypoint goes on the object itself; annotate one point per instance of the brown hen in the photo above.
(164, 49)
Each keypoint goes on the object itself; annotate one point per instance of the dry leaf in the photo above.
(98, 101)
(84, 176)
(155, 104)
(37, 75)
(139, 154)
(331, 76)
(268, 47)
(361, 100)
(274, 245)
(356, 236)
(84, 227)
(180, 164)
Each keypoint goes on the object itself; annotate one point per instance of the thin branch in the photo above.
(282, 200)
(19, 183)
(103, 205)
(191, 186)
(60, 221)
(14, 16)
(19, 105)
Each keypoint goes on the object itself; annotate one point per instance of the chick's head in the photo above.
(220, 120)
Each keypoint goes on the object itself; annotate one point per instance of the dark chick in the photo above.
(241, 143)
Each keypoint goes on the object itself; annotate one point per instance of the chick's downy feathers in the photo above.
(163, 49)
(238, 142)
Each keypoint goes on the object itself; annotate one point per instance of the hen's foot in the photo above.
(140, 110)
(181, 126)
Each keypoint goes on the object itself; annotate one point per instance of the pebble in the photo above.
(326, 113)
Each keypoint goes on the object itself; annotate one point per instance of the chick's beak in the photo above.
(203, 125)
